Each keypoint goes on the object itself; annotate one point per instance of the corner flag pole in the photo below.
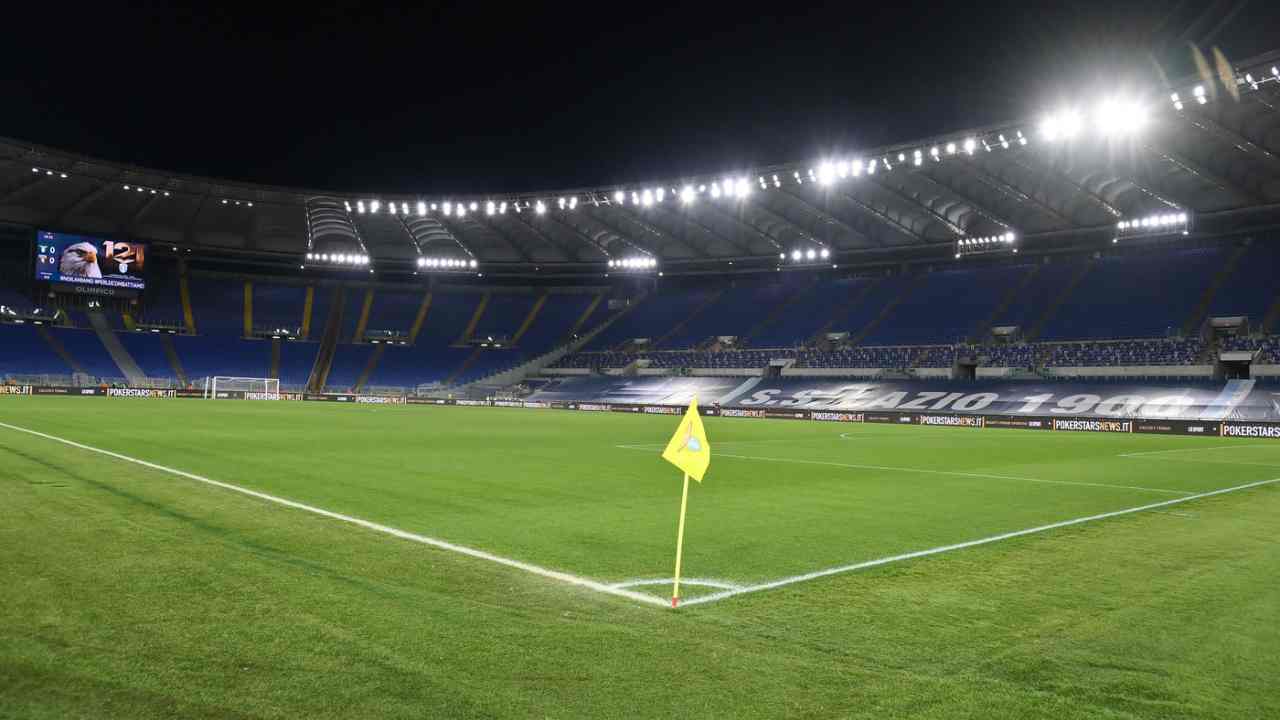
(684, 504)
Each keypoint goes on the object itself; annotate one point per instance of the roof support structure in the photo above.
(506, 237)
(824, 214)
(580, 235)
(189, 231)
(987, 178)
(901, 193)
(688, 219)
(128, 225)
(1207, 175)
(25, 188)
(778, 217)
(884, 218)
(1214, 128)
(88, 198)
(1050, 167)
(973, 204)
(654, 230)
(743, 223)
(451, 227)
(565, 250)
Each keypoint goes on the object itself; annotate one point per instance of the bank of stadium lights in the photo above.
(986, 244)
(344, 260)
(811, 255)
(49, 173)
(227, 201)
(151, 191)
(446, 263)
(1172, 223)
(635, 263)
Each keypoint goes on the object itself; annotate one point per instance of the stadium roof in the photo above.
(1206, 148)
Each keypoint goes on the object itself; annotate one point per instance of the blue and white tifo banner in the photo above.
(1235, 400)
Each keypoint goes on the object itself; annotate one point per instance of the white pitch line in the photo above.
(1182, 450)
(713, 597)
(958, 473)
(701, 582)
(376, 527)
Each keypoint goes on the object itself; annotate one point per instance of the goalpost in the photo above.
(241, 388)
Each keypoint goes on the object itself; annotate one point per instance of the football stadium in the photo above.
(979, 424)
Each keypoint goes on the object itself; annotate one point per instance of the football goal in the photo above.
(241, 388)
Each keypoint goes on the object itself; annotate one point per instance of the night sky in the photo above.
(459, 97)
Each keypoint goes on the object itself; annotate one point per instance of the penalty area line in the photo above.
(792, 580)
(538, 570)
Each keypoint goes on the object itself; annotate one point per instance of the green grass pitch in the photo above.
(127, 591)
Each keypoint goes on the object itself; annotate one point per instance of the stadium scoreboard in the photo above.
(90, 265)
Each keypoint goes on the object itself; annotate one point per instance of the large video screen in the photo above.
(83, 260)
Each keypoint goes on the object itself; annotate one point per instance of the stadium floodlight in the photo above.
(646, 198)
(951, 148)
(540, 208)
(776, 182)
(422, 208)
(715, 190)
(934, 152)
(842, 169)
(796, 255)
(391, 208)
(447, 208)
(825, 253)
(856, 168)
(1003, 142)
(744, 188)
(1117, 118)
(970, 145)
(560, 203)
(811, 255)
(1177, 101)
(619, 197)
(502, 208)
(917, 157)
(658, 194)
(782, 256)
(404, 207)
(573, 202)
(611, 263)
(826, 173)
(1198, 92)
(687, 195)
(461, 210)
(473, 263)
(474, 206)
(374, 205)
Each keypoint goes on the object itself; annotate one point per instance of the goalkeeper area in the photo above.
(517, 562)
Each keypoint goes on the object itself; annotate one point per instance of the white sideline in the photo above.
(960, 546)
(377, 527)
(856, 466)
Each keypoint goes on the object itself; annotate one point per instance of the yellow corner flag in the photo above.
(689, 451)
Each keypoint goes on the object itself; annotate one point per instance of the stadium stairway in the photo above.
(575, 343)
(466, 365)
(248, 309)
(184, 292)
(328, 343)
(1197, 316)
(530, 318)
(363, 324)
(175, 363)
(369, 367)
(470, 330)
(984, 327)
(844, 309)
(887, 310)
(60, 350)
(675, 329)
(119, 355)
(1038, 326)
(780, 310)
(308, 306)
(421, 317)
(586, 315)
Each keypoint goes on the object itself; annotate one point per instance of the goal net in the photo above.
(241, 388)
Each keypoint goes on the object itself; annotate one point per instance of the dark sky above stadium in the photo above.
(463, 97)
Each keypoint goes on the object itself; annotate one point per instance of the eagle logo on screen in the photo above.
(80, 260)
